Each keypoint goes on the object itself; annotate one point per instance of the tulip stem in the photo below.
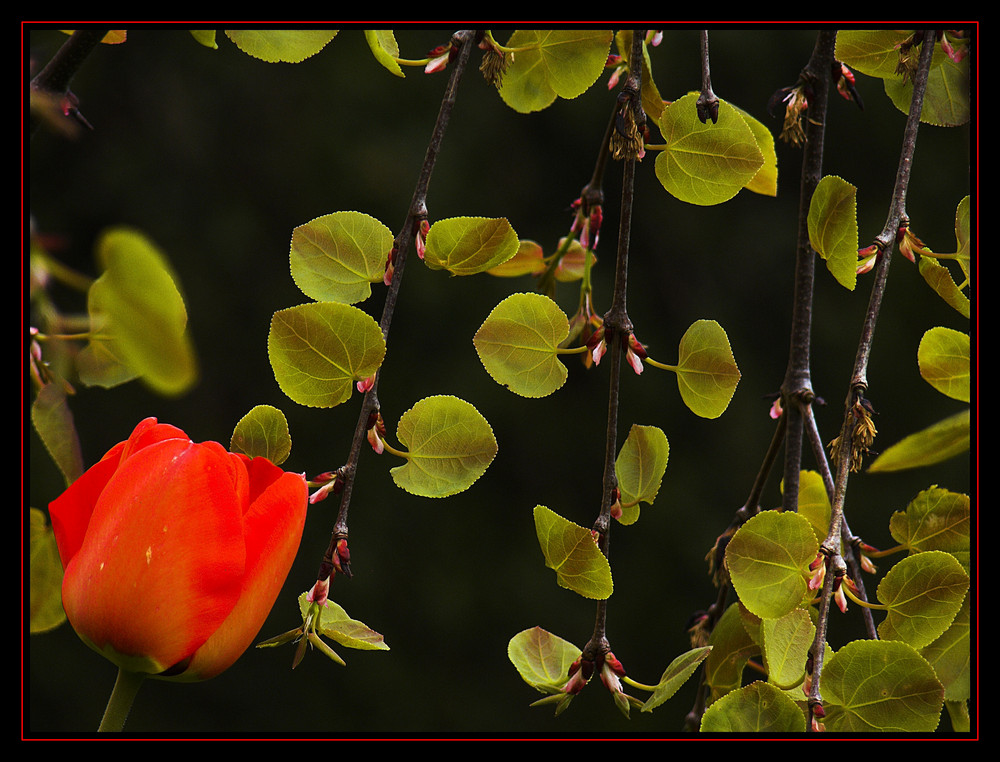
(122, 696)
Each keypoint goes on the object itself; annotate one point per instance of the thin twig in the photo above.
(401, 245)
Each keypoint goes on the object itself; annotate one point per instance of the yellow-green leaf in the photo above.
(518, 343)
(542, 659)
(336, 257)
(923, 593)
(469, 245)
(449, 446)
(706, 163)
(138, 318)
(754, 708)
(640, 466)
(281, 45)
(551, 63)
(707, 374)
(263, 432)
(768, 560)
(943, 358)
(46, 576)
(938, 442)
(833, 228)
(571, 551)
(318, 350)
(385, 49)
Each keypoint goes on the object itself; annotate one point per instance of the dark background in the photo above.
(218, 156)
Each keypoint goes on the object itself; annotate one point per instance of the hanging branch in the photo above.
(617, 325)
(857, 430)
(336, 556)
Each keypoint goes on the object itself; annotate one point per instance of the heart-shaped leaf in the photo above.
(469, 245)
(943, 357)
(518, 344)
(880, 686)
(336, 257)
(571, 551)
(318, 350)
(768, 560)
(706, 163)
(263, 432)
(449, 446)
(281, 45)
(707, 374)
(542, 659)
(551, 63)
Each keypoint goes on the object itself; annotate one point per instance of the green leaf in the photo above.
(336, 257)
(787, 641)
(768, 560)
(814, 503)
(551, 63)
(335, 624)
(938, 442)
(518, 344)
(880, 686)
(833, 228)
(46, 576)
(640, 466)
(281, 45)
(754, 708)
(318, 350)
(528, 260)
(469, 245)
(765, 182)
(732, 647)
(943, 357)
(707, 374)
(939, 278)
(263, 432)
(675, 675)
(53, 420)
(542, 659)
(384, 48)
(871, 52)
(936, 519)
(951, 656)
(707, 163)
(946, 99)
(924, 592)
(138, 319)
(571, 551)
(450, 445)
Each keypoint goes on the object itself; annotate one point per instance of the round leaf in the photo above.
(518, 342)
(469, 245)
(449, 443)
(317, 351)
(833, 228)
(768, 560)
(880, 686)
(943, 357)
(936, 519)
(336, 257)
(924, 593)
(571, 551)
(707, 373)
(754, 708)
(263, 432)
(550, 63)
(706, 164)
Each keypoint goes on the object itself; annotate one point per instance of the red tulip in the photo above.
(174, 552)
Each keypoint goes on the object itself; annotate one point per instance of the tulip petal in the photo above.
(273, 530)
(162, 562)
